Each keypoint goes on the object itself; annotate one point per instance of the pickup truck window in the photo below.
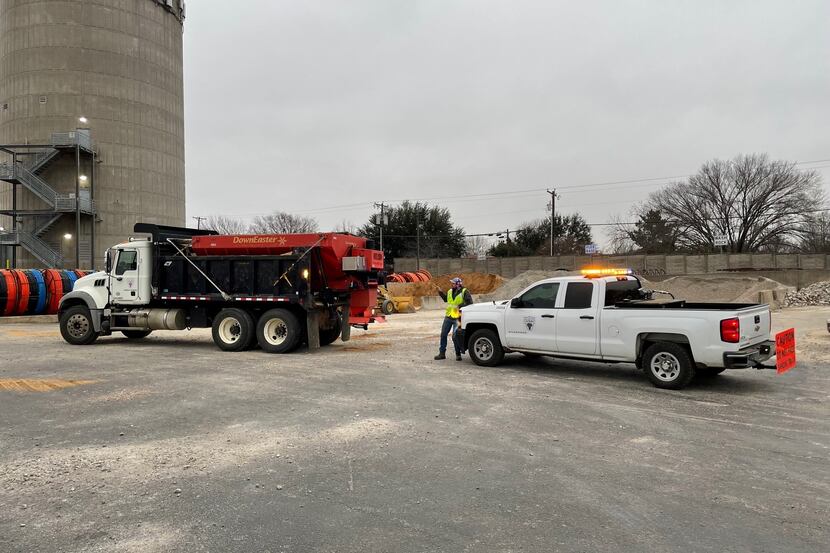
(578, 295)
(541, 297)
(127, 261)
(620, 290)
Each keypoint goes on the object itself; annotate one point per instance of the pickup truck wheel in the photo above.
(233, 330)
(136, 334)
(278, 331)
(76, 326)
(668, 365)
(485, 348)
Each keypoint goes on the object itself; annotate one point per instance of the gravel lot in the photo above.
(168, 444)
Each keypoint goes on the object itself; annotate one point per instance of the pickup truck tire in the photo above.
(668, 365)
(485, 348)
(76, 326)
(233, 330)
(136, 334)
(278, 331)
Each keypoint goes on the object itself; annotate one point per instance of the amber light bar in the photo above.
(606, 272)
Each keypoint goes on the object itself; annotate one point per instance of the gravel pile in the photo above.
(814, 294)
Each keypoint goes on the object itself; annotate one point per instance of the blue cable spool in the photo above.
(40, 283)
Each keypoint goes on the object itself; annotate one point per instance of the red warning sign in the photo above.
(785, 350)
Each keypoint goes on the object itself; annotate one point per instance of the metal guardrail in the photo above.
(35, 162)
(34, 183)
(37, 247)
(66, 202)
(80, 137)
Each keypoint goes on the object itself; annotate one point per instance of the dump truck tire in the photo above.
(136, 334)
(330, 335)
(233, 330)
(278, 331)
(76, 326)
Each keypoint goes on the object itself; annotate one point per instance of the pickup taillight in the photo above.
(730, 330)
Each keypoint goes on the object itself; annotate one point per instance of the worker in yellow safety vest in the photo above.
(456, 298)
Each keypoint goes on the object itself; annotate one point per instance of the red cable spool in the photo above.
(422, 276)
(426, 273)
(55, 289)
(23, 292)
(8, 293)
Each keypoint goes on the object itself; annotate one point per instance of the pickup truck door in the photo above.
(576, 324)
(530, 319)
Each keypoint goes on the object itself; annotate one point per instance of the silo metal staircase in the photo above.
(26, 173)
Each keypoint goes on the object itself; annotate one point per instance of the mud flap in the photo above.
(345, 327)
(313, 329)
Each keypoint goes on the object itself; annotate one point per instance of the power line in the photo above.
(515, 193)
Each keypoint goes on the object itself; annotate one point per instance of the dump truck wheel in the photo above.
(136, 334)
(388, 307)
(278, 331)
(76, 326)
(668, 365)
(330, 335)
(233, 330)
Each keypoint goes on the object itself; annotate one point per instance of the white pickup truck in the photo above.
(611, 318)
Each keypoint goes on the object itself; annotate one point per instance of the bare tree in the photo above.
(814, 236)
(346, 227)
(225, 225)
(281, 222)
(477, 245)
(757, 203)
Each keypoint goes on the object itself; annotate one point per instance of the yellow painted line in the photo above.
(40, 385)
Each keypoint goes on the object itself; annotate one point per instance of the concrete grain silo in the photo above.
(91, 126)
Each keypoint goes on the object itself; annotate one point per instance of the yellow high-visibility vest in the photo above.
(454, 303)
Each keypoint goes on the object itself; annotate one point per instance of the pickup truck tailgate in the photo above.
(755, 324)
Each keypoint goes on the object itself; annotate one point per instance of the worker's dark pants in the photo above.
(450, 324)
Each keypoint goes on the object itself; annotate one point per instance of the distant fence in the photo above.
(646, 265)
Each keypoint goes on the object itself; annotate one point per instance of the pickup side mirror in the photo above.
(517, 302)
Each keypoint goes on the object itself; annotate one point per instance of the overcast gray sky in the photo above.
(313, 106)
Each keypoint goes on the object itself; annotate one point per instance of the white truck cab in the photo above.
(606, 315)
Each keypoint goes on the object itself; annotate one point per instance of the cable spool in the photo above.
(69, 281)
(23, 292)
(37, 292)
(8, 292)
(54, 289)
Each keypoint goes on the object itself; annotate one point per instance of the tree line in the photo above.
(755, 203)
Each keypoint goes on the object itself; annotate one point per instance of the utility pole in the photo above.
(552, 218)
(382, 221)
(418, 246)
(199, 222)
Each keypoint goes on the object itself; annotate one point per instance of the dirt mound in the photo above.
(476, 283)
(521, 281)
(716, 287)
(692, 288)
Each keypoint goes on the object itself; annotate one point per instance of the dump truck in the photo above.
(275, 290)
